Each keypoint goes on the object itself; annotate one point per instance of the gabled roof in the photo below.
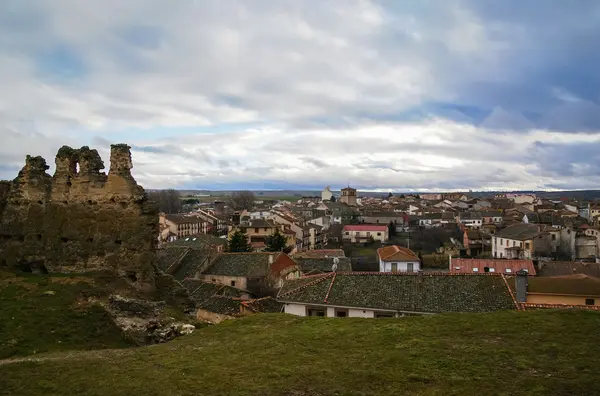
(263, 305)
(396, 253)
(198, 240)
(576, 285)
(500, 266)
(519, 232)
(323, 264)
(248, 264)
(413, 292)
(179, 219)
(320, 253)
(559, 268)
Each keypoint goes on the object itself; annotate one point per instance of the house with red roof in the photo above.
(361, 233)
(502, 266)
(397, 259)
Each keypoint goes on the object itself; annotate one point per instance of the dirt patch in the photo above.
(71, 280)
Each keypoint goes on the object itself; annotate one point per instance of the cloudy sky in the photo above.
(266, 94)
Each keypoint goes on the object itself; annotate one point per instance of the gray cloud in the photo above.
(458, 93)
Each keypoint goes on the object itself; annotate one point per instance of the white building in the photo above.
(515, 241)
(326, 194)
(397, 259)
(377, 295)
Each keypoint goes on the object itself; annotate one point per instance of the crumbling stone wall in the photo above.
(80, 219)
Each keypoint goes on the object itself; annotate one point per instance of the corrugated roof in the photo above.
(422, 292)
(466, 266)
(577, 285)
(558, 268)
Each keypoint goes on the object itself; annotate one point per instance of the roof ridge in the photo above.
(330, 287)
(323, 277)
(512, 296)
(424, 273)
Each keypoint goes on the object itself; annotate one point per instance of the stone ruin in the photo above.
(80, 219)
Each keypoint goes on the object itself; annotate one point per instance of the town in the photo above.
(261, 250)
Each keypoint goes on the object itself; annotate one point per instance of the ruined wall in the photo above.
(80, 219)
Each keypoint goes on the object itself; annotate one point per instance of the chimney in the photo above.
(270, 259)
(521, 286)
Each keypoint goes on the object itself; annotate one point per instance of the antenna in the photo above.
(334, 267)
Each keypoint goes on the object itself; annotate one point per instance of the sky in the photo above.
(300, 94)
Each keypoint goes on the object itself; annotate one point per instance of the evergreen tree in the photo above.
(392, 229)
(390, 195)
(276, 242)
(239, 242)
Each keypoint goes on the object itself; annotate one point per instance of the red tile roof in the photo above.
(498, 265)
(396, 253)
(365, 227)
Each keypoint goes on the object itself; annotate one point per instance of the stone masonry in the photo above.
(80, 219)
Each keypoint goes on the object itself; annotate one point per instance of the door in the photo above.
(394, 267)
(409, 267)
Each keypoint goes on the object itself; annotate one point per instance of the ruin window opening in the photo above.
(39, 237)
(64, 239)
(132, 276)
(40, 202)
(117, 242)
(77, 168)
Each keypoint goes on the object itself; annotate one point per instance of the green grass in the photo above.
(43, 314)
(506, 353)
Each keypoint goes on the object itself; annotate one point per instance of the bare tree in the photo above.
(169, 201)
(240, 200)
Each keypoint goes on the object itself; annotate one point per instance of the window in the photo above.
(379, 234)
(554, 237)
(526, 245)
(368, 233)
(256, 230)
(475, 269)
(590, 301)
(409, 267)
(384, 314)
(486, 269)
(233, 283)
(315, 312)
(347, 233)
(514, 243)
(341, 313)
(508, 270)
(492, 270)
(394, 267)
(507, 242)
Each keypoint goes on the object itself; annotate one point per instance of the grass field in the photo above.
(44, 314)
(506, 353)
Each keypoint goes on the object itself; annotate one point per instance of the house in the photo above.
(431, 197)
(491, 217)
(476, 242)
(319, 265)
(217, 223)
(182, 226)
(320, 253)
(398, 259)
(521, 241)
(215, 303)
(258, 231)
(569, 290)
(348, 196)
(187, 256)
(562, 268)
(338, 212)
(326, 194)
(258, 273)
(468, 266)
(376, 217)
(385, 294)
(470, 219)
(361, 233)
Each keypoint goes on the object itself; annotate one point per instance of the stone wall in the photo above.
(80, 219)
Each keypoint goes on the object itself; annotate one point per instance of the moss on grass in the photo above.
(44, 314)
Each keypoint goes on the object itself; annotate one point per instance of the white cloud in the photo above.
(310, 77)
